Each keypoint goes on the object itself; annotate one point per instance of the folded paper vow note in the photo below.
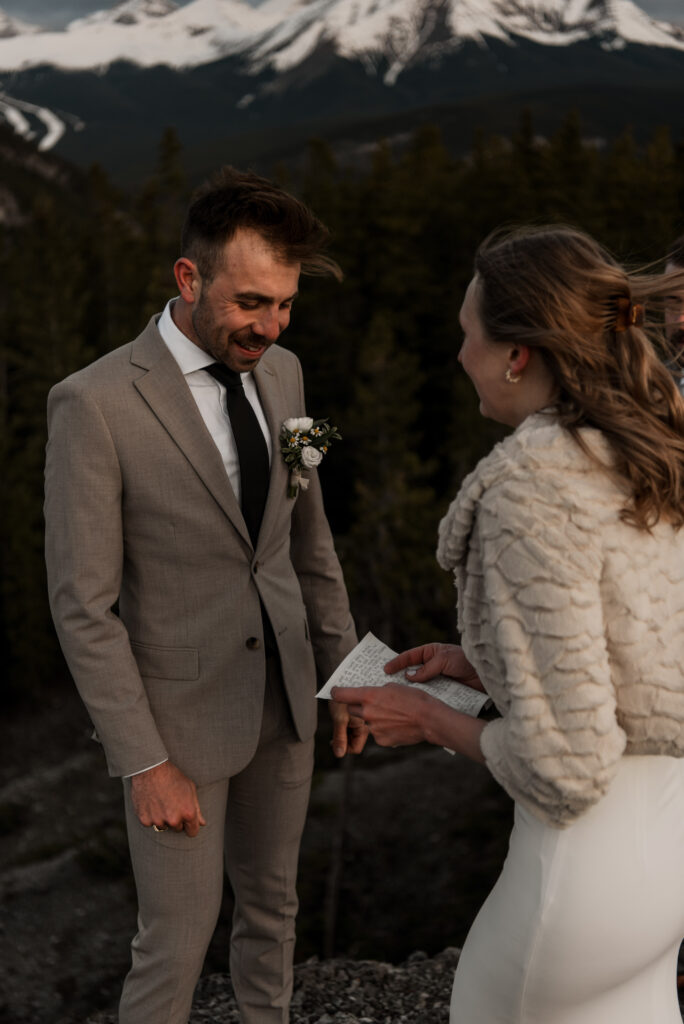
(365, 666)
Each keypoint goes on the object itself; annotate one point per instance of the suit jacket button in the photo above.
(252, 643)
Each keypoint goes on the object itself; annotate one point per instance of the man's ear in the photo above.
(518, 358)
(188, 279)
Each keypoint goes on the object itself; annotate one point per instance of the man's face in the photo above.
(243, 310)
(674, 313)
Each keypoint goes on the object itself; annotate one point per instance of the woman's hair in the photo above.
(557, 290)
(675, 252)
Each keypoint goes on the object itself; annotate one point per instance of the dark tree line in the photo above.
(83, 274)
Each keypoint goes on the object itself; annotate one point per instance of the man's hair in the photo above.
(557, 290)
(234, 199)
(675, 252)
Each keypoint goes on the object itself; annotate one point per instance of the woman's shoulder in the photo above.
(537, 478)
(541, 457)
(541, 460)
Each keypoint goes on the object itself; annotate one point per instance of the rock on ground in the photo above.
(341, 991)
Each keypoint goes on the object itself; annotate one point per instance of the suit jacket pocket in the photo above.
(181, 663)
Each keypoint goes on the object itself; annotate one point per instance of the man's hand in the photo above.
(434, 660)
(349, 732)
(164, 797)
(393, 713)
(399, 715)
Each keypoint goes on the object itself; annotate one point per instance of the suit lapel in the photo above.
(167, 394)
(274, 404)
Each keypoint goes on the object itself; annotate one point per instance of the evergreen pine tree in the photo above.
(572, 175)
(42, 341)
(159, 209)
(659, 204)
(396, 587)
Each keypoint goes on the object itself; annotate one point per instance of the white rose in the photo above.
(302, 423)
(310, 456)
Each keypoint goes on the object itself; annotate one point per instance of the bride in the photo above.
(567, 548)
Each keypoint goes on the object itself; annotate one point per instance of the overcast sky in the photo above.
(57, 13)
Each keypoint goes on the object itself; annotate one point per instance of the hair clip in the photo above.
(629, 314)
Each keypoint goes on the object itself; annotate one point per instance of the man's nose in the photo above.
(268, 325)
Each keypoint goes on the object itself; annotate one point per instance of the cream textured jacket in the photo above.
(573, 619)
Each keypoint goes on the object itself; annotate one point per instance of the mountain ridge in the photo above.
(280, 34)
(238, 104)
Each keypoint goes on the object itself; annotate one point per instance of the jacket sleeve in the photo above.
(312, 550)
(557, 746)
(84, 556)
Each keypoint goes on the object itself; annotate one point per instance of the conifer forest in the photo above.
(86, 265)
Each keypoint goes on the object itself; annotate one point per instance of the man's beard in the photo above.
(209, 335)
(203, 327)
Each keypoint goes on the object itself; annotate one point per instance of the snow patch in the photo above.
(14, 112)
(283, 33)
(10, 26)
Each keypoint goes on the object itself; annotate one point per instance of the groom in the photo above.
(194, 599)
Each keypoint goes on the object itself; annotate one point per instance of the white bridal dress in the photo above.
(585, 922)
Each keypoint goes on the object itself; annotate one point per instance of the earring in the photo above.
(512, 378)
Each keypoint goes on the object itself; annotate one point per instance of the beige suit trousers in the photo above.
(254, 825)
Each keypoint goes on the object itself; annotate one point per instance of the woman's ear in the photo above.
(518, 358)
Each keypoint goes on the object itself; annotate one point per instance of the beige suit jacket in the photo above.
(154, 584)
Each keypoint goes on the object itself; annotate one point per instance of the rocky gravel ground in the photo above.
(397, 856)
(344, 992)
(373, 833)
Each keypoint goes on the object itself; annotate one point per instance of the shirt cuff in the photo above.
(149, 768)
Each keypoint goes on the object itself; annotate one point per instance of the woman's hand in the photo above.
(434, 660)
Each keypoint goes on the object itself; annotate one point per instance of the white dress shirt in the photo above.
(210, 396)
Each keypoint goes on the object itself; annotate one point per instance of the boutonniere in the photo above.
(303, 443)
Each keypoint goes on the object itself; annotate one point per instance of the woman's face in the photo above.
(485, 361)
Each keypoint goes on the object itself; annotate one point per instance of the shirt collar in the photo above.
(190, 357)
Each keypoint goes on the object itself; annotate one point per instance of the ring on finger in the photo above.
(162, 828)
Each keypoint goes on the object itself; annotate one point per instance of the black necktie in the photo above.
(251, 447)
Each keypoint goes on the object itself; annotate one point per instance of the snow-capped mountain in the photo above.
(402, 30)
(11, 27)
(127, 12)
(282, 33)
(143, 32)
(237, 80)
